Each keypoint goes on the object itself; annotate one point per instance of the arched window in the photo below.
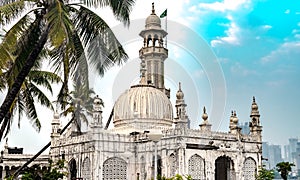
(86, 169)
(73, 169)
(249, 169)
(196, 167)
(173, 165)
(114, 168)
(143, 173)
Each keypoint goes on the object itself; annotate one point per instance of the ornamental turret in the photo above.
(205, 126)
(181, 119)
(234, 121)
(97, 113)
(255, 127)
(55, 126)
(153, 52)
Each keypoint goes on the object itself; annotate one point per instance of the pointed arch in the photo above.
(143, 172)
(73, 169)
(249, 169)
(224, 168)
(114, 168)
(173, 165)
(86, 169)
(196, 167)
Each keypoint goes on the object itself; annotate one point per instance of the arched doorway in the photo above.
(224, 168)
(73, 169)
(159, 164)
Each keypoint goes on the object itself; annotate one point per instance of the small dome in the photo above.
(143, 107)
(153, 21)
(179, 94)
(56, 116)
(97, 100)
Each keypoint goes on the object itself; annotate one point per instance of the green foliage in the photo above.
(284, 168)
(176, 177)
(73, 36)
(264, 174)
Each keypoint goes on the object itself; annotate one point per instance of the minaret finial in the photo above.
(254, 99)
(153, 10)
(179, 88)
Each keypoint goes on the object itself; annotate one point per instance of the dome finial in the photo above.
(153, 10)
(204, 115)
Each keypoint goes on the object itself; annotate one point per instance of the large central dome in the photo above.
(143, 107)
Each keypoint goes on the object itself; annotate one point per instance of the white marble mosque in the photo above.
(144, 121)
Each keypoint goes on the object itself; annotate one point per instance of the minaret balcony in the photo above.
(146, 51)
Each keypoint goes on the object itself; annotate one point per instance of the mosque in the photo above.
(148, 139)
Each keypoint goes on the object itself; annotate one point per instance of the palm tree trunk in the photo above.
(15, 88)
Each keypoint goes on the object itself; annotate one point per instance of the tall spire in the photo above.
(181, 119)
(255, 127)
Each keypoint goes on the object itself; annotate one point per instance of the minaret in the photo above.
(97, 113)
(205, 126)
(234, 121)
(181, 119)
(153, 52)
(255, 127)
(55, 126)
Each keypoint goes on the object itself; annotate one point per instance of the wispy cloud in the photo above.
(288, 50)
(232, 35)
(239, 69)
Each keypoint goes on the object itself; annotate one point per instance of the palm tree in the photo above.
(65, 29)
(284, 168)
(80, 105)
(29, 93)
(264, 174)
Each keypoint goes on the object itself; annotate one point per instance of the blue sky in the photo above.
(257, 48)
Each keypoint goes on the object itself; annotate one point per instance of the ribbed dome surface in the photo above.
(143, 107)
(153, 22)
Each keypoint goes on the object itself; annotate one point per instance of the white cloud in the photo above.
(267, 27)
(231, 38)
(288, 50)
(225, 5)
(287, 11)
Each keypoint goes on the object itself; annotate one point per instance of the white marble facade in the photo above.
(126, 152)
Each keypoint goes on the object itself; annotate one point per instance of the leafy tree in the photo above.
(284, 168)
(264, 174)
(64, 29)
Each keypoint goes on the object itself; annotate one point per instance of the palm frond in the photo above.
(43, 78)
(58, 19)
(120, 8)
(40, 97)
(10, 11)
(31, 111)
(104, 50)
